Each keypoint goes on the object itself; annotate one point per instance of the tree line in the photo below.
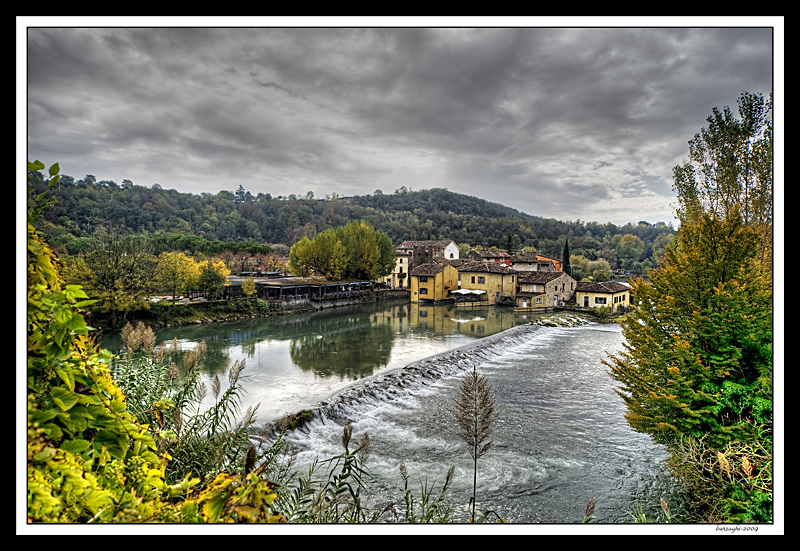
(183, 221)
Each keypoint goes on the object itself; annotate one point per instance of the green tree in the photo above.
(730, 168)
(696, 372)
(120, 271)
(353, 251)
(629, 250)
(213, 277)
(565, 260)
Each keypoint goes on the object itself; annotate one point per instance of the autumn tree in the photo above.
(176, 273)
(696, 370)
(324, 256)
(697, 359)
(212, 277)
(249, 286)
(370, 254)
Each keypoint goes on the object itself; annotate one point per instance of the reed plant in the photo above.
(335, 496)
(201, 439)
(214, 441)
(429, 507)
(475, 414)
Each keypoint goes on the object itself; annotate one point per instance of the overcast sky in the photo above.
(567, 123)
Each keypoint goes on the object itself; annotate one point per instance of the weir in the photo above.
(389, 385)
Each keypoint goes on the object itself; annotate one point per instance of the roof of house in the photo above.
(428, 269)
(494, 254)
(601, 287)
(413, 244)
(539, 277)
(490, 267)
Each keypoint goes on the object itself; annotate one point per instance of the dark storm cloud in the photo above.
(559, 122)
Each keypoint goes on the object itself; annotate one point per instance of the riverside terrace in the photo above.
(298, 288)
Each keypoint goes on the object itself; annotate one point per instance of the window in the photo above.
(423, 291)
(599, 300)
(481, 280)
(473, 279)
(423, 279)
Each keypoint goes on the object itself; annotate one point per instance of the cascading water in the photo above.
(561, 438)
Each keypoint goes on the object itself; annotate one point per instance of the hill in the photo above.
(83, 206)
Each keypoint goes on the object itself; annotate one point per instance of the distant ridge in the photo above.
(83, 206)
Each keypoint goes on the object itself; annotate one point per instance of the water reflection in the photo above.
(295, 361)
(347, 355)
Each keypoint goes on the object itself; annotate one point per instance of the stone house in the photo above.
(544, 289)
(532, 263)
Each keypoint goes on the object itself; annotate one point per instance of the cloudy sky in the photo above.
(552, 119)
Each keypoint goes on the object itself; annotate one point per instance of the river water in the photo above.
(394, 370)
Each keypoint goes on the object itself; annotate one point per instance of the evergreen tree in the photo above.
(697, 358)
(696, 372)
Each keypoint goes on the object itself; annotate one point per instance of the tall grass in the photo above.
(475, 413)
(204, 438)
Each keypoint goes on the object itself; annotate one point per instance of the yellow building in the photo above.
(433, 282)
(608, 293)
(399, 277)
(497, 280)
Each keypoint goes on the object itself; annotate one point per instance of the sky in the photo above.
(565, 118)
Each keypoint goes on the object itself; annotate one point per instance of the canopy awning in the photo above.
(468, 292)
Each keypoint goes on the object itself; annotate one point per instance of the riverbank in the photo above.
(168, 314)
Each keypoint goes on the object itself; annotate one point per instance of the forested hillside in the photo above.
(84, 205)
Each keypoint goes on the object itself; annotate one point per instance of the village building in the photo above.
(409, 254)
(497, 280)
(613, 294)
(499, 257)
(557, 264)
(532, 263)
(433, 282)
(399, 278)
(544, 289)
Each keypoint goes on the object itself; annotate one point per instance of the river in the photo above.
(393, 371)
